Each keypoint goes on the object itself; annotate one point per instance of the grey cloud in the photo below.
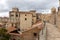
(38, 5)
(1, 6)
(4, 10)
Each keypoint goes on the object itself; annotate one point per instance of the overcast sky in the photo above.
(38, 5)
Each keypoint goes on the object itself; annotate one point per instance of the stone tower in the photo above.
(53, 16)
(25, 20)
(58, 16)
(14, 17)
(33, 15)
(59, 7)
(22, 20)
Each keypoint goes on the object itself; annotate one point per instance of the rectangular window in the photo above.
(34, 16)
(12, 25)
(25, 18)
(12, 15)
(35, 34)
(16, 15)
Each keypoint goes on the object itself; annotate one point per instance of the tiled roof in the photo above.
(10, 29)
(37, 25)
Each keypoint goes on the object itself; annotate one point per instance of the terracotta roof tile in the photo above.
(9, 29)
(38, 25)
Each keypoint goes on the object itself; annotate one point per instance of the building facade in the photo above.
(22, 25)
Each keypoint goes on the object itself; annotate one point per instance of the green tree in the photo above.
(3, 34)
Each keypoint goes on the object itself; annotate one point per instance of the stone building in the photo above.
(4, 21)
(22, 25)
(28, 34)
(21, 19)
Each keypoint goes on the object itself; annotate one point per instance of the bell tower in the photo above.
(53, 16)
